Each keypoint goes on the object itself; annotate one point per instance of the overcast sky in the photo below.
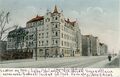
(97, 17)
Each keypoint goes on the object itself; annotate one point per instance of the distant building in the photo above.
(86, 46)
(56, 36)
(11, 41)
(96, 48)
(90, 45)
(103, 49)
(16, 40)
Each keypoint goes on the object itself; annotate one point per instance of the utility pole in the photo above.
(77, 42)
(119, 58)
(36, 44)
(45, 52)
(113, 53)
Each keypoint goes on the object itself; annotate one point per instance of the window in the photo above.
(47, 34)
(62, 43)
(47, 42)
(56, 26)
(62, 35)
(47, 20)
(42, 28)
(53, 18)
(56, 18)
(56, 41)
(56, 34)
(53, 33)
(26, 37)
(53, 42)
(26, 44)
(65, 36)
(29, 44)
(42, 35)
(39, 43)
(39, 35)
(47, 27)
(42, 43)
(40, 50)
(32, 43)
(32, 36)
(39, 23)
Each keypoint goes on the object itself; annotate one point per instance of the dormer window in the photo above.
(47, 20)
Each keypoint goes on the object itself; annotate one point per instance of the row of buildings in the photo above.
(53, 35)
(91, 45)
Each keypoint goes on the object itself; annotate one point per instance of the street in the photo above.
(67, 62)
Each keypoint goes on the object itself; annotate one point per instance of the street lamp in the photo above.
(45, 51)
(72, 51)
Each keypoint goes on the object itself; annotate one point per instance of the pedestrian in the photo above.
(109, 57)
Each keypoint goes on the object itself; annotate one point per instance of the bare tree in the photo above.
(4, 20)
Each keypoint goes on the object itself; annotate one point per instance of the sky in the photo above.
(97, 17)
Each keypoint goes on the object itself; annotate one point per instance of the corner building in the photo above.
(56, 36)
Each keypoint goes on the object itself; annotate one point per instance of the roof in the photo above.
(90, 36)
(72, 23)
(37, 18)
(101, 44)
(15, 31)
(55, 9)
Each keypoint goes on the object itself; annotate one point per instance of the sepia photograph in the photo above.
(59, 34)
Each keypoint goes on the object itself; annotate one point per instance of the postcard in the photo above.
(59, 38)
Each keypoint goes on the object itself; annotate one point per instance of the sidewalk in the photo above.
(103, 64)
(114, 63)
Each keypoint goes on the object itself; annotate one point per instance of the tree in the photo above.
(4, 20)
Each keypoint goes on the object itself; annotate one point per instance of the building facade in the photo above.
(16, 39)
(86, 46)
(52, 35)
(103, 49)
(90, 45)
